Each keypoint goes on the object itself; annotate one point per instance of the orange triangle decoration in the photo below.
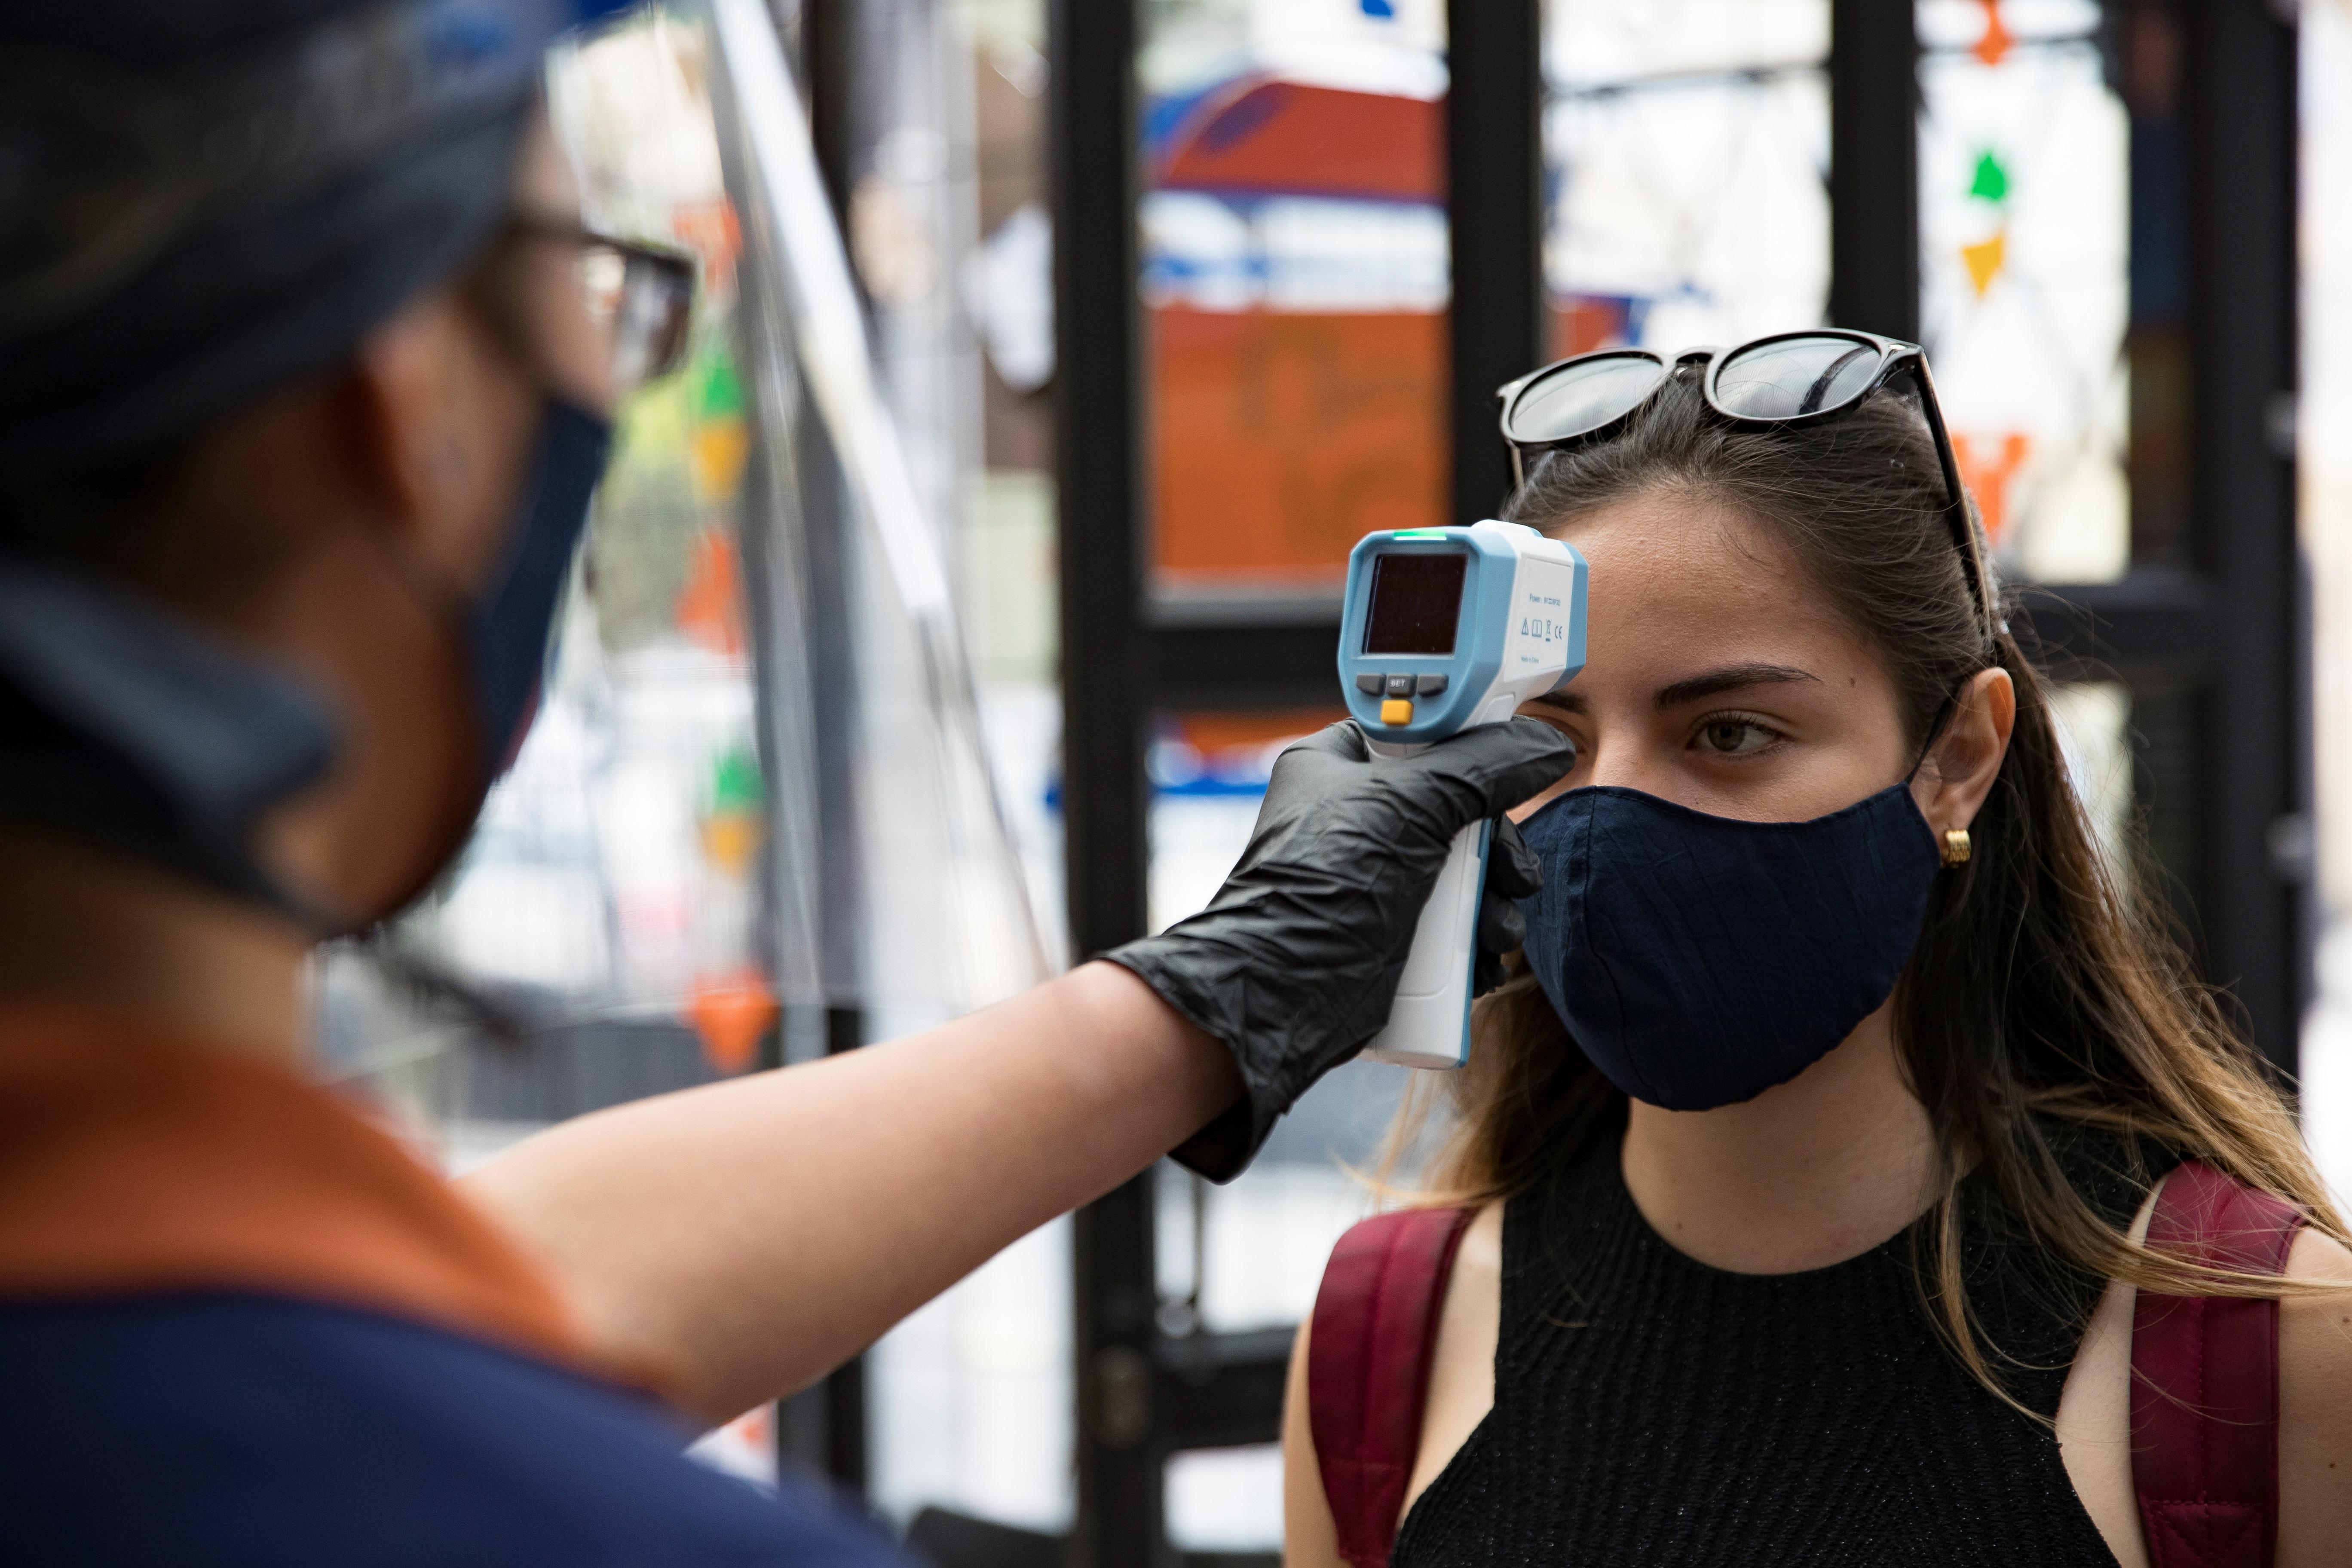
(1994, 45)
(708, 229)
(1986, 464)
(1985, 259)
(731, 1012)
(710, 605)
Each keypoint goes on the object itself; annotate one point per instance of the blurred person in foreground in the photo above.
(301, 405)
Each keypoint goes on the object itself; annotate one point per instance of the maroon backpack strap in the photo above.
(1368, 1361)
(2204, 1401)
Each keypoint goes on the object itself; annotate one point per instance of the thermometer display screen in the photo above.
(1416, 602)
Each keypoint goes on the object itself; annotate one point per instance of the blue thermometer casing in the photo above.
(1444, 628)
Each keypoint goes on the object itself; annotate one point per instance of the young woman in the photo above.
(1809, 1152)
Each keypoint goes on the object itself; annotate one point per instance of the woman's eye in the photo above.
(1734, 737)
(1557, 723)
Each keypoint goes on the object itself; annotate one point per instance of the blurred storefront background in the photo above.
(780, 801)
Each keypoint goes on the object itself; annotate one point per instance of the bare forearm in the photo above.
(757, 1233)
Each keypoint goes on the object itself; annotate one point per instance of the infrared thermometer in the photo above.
(1444, 628)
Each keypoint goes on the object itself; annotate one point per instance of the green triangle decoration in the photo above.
(735, 785)
(718, 393)
(1992, 181)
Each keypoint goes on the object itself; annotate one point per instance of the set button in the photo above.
(1397, 692)
(1401, 685)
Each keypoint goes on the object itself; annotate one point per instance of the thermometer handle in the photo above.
(1429, 1027)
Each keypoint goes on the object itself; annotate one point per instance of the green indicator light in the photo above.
(1418, 533)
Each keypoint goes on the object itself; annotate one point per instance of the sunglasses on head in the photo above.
(1784, 379)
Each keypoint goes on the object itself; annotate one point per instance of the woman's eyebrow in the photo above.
(1731, 677)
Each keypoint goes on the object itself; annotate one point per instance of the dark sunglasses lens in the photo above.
(1583, 396)
(1791, 377)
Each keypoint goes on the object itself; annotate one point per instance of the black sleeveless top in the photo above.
(1649, 1409)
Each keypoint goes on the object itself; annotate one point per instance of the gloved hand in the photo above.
(1295, 962)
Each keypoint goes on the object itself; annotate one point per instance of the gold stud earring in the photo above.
(1957, 847)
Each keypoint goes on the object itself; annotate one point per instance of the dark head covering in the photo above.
(200, 202)
(205, 201)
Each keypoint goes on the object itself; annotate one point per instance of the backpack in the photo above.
(2204, 1396)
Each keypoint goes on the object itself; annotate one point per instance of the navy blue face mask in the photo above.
(510, 623)
(1700, 960)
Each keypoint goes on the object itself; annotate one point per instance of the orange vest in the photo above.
(133, 1163)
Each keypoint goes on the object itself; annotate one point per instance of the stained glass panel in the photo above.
(2024, 238)
(1294, 285)
(1685, 143)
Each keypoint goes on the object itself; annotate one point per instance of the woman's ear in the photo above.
(1962, 766)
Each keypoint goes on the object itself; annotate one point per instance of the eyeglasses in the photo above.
(641, 295)
(1783, 379)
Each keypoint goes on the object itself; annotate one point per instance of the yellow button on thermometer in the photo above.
(1396, 710)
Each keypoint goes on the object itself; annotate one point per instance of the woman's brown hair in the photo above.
(2047, 993)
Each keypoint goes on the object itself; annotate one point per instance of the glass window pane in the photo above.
(2094, 736)
(949, 231)
(1294, 285)
(1225, 1501)
(1006, 546)
(2024, 235)
(1249, 1254)
(1686, 142)
(971, 1394)
(2325, 459)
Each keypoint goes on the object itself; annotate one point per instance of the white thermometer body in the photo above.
(1444, 628)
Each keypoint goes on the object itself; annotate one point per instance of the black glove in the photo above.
(1295, 962)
